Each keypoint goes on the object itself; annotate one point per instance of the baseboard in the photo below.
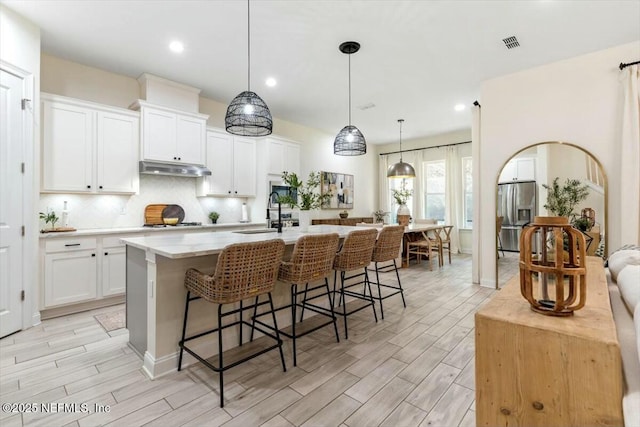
(488, 283)
(50, 313)
(35, 319)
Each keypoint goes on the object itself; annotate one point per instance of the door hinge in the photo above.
(21, 295)
(23, 102)
(22, 231)
(22, 167)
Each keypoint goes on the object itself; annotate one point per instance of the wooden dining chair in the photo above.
(499, 220)
(445, 241)
(425, 246)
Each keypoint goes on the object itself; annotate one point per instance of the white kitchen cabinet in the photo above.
(172, 136)
(70, 271)
(83, 269)
(114, 266)
(232, 160)
(88, 148)
(282, 156)
(521, 169)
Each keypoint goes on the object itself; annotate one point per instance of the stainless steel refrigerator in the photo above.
(517, 206)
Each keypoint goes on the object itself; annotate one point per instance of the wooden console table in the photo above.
(342, 221)
(537, 370)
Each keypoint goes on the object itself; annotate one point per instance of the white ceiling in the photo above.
(418, 58)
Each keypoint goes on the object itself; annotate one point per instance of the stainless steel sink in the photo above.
(256, 231)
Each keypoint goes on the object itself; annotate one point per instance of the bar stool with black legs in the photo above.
(387, 250)
(354, 255)
(311, 261)
(243, 271)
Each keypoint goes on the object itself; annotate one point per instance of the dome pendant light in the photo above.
(401, 169)
(248, 114)
(349, 141)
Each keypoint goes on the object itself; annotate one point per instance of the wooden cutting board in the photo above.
(153, 214)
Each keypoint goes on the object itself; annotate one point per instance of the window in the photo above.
(467, 201)
(434, 173)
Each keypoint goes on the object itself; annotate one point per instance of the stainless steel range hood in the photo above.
(158, 168)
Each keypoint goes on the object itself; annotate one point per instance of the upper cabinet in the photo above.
(170, 135)
(87, 147)
(232, 160)
(519, 169)
(282, 156)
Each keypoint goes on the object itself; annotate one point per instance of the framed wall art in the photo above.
(340, 186)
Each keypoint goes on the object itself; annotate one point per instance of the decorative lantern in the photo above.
(590, 215)
(552, 266)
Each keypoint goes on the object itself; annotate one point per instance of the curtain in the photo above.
(453, 194)
(475, 153)
(383, 187)
(418, 187)
(630, 157)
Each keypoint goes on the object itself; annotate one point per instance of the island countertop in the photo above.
(199, 244)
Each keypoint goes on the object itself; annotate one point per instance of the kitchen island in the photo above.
(155, 296)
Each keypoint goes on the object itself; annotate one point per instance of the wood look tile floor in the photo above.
(414, 368)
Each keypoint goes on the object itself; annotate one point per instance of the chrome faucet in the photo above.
(279, 211)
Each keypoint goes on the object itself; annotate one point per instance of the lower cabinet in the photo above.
(83, 269)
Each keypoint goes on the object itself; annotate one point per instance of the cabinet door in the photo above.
(220, 161)
(526, 169)
(67, 158)
(159, 135)
(292, 158)
(508, 173)
(244, 167)
(191, 134)
(275, 157)
(117, 148)
(114, 269)
(69, 277)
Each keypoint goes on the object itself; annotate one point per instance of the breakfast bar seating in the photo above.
(243, 271)
(354, 255)
(386, 250)
(311, 261)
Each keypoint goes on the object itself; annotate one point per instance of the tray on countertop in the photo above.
(58, 230)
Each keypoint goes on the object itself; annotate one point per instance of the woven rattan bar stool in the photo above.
(386, 250)
(355, 255)
(243, 271)
(311, 261)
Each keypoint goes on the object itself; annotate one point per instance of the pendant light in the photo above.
(248, 114)
(349, 141)
(401, 169)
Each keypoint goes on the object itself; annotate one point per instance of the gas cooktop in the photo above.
(182, 224)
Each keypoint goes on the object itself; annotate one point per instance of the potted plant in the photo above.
(309, 196)
(561, 200)
(49, 217)
(582, 223)
(379, 215)
(213, 216)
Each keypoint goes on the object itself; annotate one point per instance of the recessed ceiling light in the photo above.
(459, 107)
(176, 46)
(271, 82)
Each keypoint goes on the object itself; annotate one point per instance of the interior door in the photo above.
(11, 183)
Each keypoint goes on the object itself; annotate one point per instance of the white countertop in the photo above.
(126, 230)
(198, 244)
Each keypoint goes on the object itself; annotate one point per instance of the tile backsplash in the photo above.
(113, 211)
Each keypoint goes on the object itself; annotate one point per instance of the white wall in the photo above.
(75, 80)
(20, 48)
(577, 101)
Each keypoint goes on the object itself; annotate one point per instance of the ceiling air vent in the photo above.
(366, 106)
(511, 42)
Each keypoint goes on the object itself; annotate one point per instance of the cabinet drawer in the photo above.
(65, 245)
(114, 241)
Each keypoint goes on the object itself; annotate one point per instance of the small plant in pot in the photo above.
(582, 223)
(213, 216)
(49, 217)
